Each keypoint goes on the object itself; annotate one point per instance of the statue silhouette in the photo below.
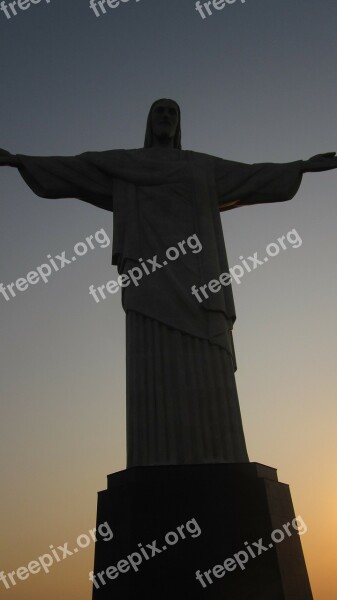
(182, 403)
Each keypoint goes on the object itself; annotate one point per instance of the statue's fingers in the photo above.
(323, 156)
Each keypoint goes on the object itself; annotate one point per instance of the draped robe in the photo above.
(160, 197)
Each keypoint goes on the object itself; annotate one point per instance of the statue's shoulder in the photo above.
(103, 154)
(199, 157)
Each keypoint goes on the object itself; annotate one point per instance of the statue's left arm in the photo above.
(241, 184)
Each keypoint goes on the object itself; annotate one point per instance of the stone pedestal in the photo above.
(219, 521)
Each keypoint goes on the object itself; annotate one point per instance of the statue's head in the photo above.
(163, 124)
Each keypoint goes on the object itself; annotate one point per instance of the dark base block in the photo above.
(210, 512)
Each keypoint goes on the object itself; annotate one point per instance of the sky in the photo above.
(256, 82)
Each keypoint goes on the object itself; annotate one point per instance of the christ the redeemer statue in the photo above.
(182, 403)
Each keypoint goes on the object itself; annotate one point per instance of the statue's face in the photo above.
(164, 120)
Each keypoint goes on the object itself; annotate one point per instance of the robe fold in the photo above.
(182, 404)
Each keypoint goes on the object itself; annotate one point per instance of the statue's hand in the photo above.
(7, 159)
(320, 162)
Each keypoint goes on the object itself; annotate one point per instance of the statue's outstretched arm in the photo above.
(86, 176)
(241, 184)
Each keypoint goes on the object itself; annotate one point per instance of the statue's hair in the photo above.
(149, 135)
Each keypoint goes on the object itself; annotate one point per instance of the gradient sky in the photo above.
(256, 82)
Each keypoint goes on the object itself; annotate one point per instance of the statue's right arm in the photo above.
(88, 176)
